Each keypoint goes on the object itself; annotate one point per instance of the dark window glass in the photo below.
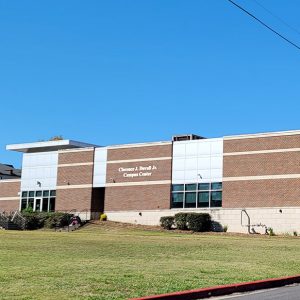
(190, 187)
(203, 199)
(52, 193)
(216, 186)
(52, 204)
(38, 193)
(24, 194)
(30, 202)
(45, 193)
(177, 200)
(216, 199)
(203, 186)
(45, 204)
(31, 194)
(177, 187)
(23, 203)
(190, 200)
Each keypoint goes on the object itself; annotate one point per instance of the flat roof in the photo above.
(47, 146)
(262, 134)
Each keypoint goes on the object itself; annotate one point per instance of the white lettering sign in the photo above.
(138, 171)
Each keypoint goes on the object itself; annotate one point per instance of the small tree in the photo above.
(56, 138)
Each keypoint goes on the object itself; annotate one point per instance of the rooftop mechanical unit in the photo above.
(186, 137)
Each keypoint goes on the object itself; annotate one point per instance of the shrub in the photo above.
(167, 222)
(34, 220)
(180, 221)
(271, 231)
(103, 217)
(225, 228)
(58, 219)
(198, 221)
(295, 233)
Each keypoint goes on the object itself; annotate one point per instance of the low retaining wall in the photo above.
(282, 220)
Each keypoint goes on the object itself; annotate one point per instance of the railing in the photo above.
(19, 220)
(3, 220)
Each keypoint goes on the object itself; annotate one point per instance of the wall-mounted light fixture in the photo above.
(39, 183)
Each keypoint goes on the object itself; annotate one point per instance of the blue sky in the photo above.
(111, 72)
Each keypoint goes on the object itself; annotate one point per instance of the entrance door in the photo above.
(37, 204)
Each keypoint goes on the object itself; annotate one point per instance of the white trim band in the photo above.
(9, 180)
(75, 164)
(138, 183)
(264, 177)
(75, 186)
(262, 135)
(138, 160)
(66, 151)
(9, 198)
(139, 145)
(262, 151)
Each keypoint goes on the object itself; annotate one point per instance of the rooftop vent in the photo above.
(186, 137)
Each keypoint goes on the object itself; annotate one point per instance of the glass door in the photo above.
(37, 204)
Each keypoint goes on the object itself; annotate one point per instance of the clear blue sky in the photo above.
(111, 72)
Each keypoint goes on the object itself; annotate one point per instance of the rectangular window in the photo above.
(216, 199)
(177, 200)
(45, 193)
(23, 203)
(45, 204)
(38, 193)
(24, 194)
(177, 187)
(30, 202)
(52, 193)
(52, 204)
(204, 186)
(31, 194)
(191, 187)
(203, 199)
(190, 200)
(197, 195)
(216, 186)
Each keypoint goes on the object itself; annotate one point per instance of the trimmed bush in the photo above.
(180, 221)
(167, 222)
(198, 222)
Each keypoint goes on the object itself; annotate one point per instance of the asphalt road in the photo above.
(291, 292)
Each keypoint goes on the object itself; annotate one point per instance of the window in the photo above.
(38, 200)
(193, 195)
(177, 187)
(191, 187)
(216, 186)
(203, 199)
(177, 200)
(190, 200)
(204, 186)
(216, 199)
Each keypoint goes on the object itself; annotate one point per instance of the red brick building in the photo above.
(244, 182)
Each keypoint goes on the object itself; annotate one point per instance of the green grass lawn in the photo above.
(111, 262)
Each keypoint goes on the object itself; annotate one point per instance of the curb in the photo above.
(227, 289)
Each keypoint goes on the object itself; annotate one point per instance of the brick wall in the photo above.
(74, 182)
(139, 152)
(79, 199)
(9, 198)
(262, 164)
(261, 189)
(261, 143)
(140, 192)
(147, 197)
